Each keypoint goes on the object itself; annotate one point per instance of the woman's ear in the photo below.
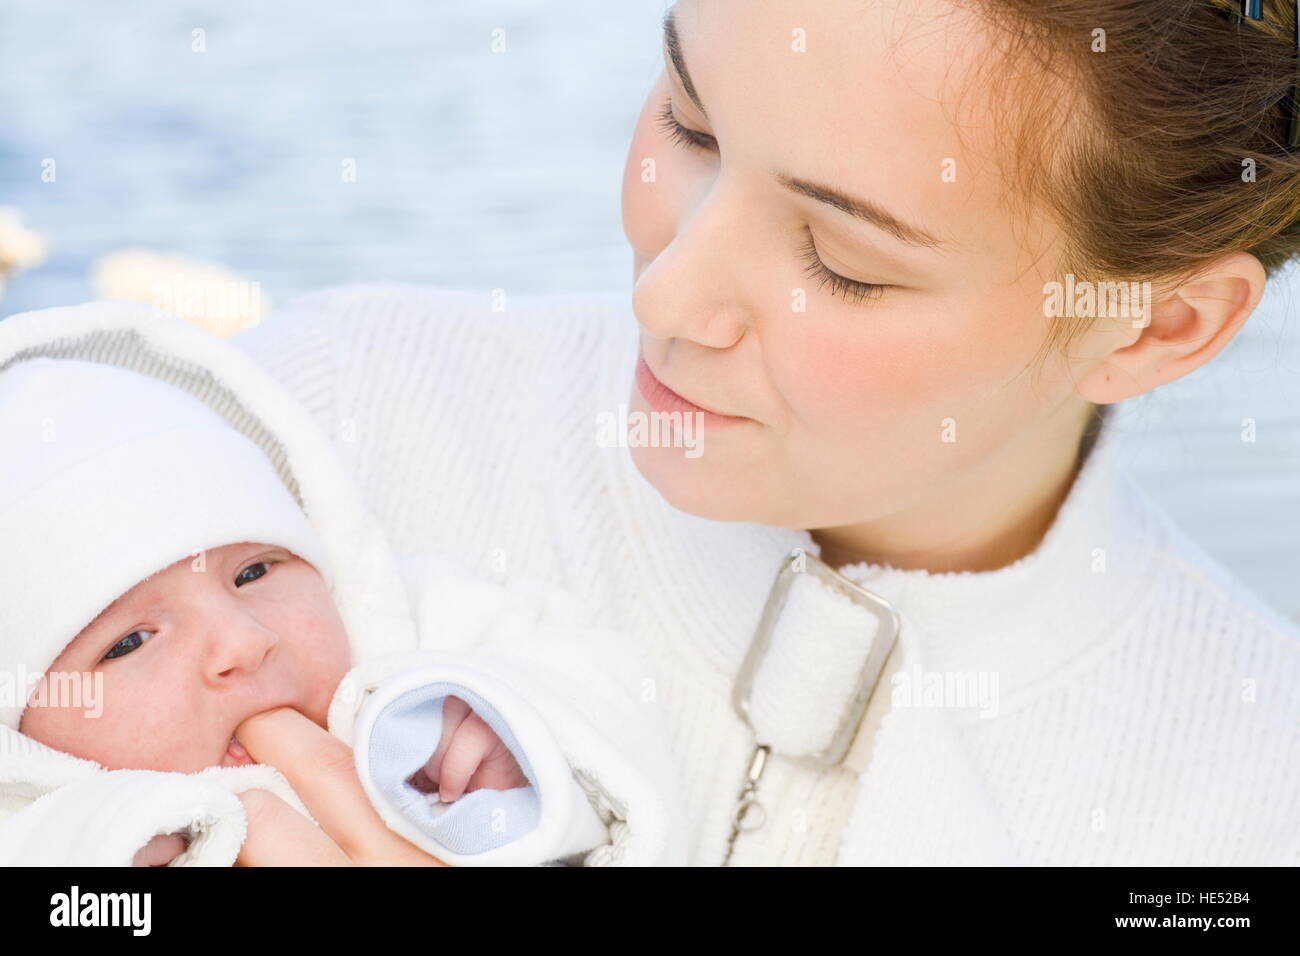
(1189, 324)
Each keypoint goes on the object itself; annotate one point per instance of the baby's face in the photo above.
(192, 651)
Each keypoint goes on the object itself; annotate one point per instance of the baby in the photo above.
(203, 644)
(165, 585)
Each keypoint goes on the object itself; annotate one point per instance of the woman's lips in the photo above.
(661, 398)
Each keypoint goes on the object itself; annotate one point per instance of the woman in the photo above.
(867, 240)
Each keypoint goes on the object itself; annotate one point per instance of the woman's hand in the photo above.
(320, 769)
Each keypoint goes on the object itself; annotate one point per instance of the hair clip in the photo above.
(1249, 10)
(1254, 10)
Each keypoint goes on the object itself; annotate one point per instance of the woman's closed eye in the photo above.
(854, 290)
(682, 135)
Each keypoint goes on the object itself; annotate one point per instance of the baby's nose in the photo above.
(240, 646)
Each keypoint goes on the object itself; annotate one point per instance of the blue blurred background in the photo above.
(475, 170)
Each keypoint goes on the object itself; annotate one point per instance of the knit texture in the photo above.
(1145, 706)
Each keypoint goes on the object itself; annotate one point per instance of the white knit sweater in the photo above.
(1147, 706)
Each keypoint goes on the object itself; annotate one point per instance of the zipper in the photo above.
(742, 817)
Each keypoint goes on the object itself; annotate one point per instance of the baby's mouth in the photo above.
(236, 753)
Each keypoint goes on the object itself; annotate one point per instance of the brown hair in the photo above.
(1146, 175)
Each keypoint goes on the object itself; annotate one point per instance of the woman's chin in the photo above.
(695, 486)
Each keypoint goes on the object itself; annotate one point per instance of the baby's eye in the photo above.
(127, 644)
(251, 573)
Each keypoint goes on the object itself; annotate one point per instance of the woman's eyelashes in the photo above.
(681, 135)
(853, 290)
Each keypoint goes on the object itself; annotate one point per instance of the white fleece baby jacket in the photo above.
(563, 696)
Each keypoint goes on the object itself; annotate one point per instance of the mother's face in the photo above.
(840, 394)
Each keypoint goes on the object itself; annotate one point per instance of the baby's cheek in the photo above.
(156, 734)
(320, 658)
(110, 739)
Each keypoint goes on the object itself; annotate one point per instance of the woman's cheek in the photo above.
(838, 373)
(877, 364)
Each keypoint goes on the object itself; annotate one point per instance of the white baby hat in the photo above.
(108, 476)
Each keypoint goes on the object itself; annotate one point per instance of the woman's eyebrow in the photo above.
(674, 44)
(861, 209)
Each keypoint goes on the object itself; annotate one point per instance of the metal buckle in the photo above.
(868, 678)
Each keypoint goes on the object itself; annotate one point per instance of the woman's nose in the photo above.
(695, 289)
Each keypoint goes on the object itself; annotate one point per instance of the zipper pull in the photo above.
(742, 819)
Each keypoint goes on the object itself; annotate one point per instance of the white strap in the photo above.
(863, 748)
(807, 680)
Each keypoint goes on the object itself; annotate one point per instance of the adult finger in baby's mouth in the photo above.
(319, 768)
(257, 734)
